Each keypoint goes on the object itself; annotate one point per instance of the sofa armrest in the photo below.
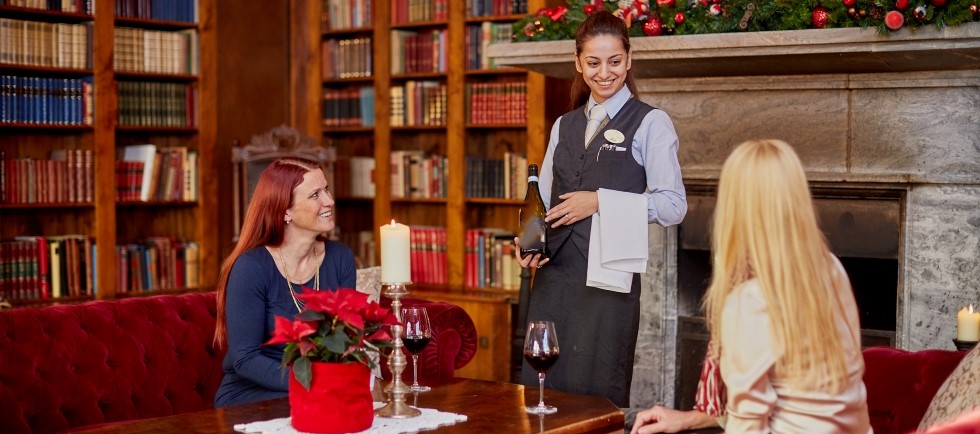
(453, 344)
(901, 384)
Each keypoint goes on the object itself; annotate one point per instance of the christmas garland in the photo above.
(687, 17)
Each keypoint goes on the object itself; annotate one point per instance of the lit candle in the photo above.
(968, 325)
(396, 263)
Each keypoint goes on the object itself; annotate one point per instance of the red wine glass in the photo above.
(541, 352)
(417, 336)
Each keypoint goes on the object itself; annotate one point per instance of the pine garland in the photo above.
(688, 17)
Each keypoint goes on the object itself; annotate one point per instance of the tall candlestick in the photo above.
(396, 262)
(968, 325)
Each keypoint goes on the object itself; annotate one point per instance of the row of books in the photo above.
(38, 267)
(345, 14)
(354, 177)
(419, 103)
(345, 58)
(427, 254)
(163, 174)
(489, 259)
(54, 45)
(363, 245)
(413, 11)
(66, 178)
(422, 51)
(157, 263)
(168, 10)
(46, 100)
(483, 8)
(417, 175)
(502, 102)
(86, 7)
(500, 178)
(479, 37)
(156, 104)
(349, 107)
(155, 51)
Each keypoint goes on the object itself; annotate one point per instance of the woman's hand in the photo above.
(575, 206)
(659, 419)
(533, 261)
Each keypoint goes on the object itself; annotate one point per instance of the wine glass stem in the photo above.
(415, 370)
(541, 389)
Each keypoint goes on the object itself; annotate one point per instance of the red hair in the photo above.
(265, 222)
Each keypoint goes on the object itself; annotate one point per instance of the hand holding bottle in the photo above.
(532, 261)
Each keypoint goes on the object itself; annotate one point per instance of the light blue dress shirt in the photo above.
(654, 147)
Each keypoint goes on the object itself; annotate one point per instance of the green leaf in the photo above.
(303, 372)
(336, 342)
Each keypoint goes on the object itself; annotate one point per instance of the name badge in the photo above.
(614, 136)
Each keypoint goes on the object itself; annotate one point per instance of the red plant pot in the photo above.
(339, 399)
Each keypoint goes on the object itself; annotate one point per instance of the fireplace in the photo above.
(888, 129)
(862, 227)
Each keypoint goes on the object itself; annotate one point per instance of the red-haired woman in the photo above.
(281, 252)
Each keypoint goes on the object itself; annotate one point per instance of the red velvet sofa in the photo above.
(104, 361)
(901, 384)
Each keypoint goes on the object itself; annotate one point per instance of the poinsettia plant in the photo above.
(335, 327)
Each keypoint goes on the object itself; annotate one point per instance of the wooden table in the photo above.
(490, 407)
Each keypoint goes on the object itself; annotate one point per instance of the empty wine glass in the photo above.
(417, 336)
(541, 352)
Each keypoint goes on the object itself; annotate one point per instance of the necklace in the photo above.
(289, 280)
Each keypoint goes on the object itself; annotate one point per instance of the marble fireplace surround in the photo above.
(897, 113)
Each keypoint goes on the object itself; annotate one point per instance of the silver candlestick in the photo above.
(397, 408)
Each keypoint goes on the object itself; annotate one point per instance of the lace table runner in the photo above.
(429, 419)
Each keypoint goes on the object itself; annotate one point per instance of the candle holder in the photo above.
(964, 345)
(397, 408)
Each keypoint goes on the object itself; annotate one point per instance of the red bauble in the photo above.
(819, 17)
(703, 2)
(679, 18)
(715, 9)
(653, 27)
(589, 9)
(938, 3)
(848, 2)
(901, 4)
(666, 3)
(894, 20)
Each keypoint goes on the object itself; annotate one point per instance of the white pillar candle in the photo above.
(396, 262)
(968, 325)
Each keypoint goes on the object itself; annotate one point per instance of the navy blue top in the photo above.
(256, 293)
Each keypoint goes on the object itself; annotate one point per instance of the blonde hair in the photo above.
(765, 228)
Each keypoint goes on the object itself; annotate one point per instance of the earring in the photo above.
(288, 221)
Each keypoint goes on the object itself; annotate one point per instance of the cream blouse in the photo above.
(757, 401)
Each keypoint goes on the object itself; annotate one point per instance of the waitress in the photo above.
(596, 328)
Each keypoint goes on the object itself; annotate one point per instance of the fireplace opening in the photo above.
(862, 227)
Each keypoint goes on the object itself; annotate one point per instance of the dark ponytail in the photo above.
(597, 24)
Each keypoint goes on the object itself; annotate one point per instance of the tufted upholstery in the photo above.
(69, 366)
(901, 384)
(453, 343)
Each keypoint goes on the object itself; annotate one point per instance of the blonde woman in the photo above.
(780, 304)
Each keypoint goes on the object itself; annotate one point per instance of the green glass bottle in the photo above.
(533, 230)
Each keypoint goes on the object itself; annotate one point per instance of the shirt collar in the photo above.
(613, 104)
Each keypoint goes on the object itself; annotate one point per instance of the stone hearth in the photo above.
(896, 114)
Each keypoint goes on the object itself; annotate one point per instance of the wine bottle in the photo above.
(533, 230)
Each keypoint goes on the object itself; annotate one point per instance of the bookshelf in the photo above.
(445, 130)
(92, 133)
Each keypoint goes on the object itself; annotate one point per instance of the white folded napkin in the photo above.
(618, 243)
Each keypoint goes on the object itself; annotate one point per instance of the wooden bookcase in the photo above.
(456, 140)
(107, 222)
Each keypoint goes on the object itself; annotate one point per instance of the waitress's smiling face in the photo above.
(603, 63)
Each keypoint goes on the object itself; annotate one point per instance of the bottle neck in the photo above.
(533, 179)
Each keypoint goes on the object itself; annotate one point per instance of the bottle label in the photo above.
(532, 179)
